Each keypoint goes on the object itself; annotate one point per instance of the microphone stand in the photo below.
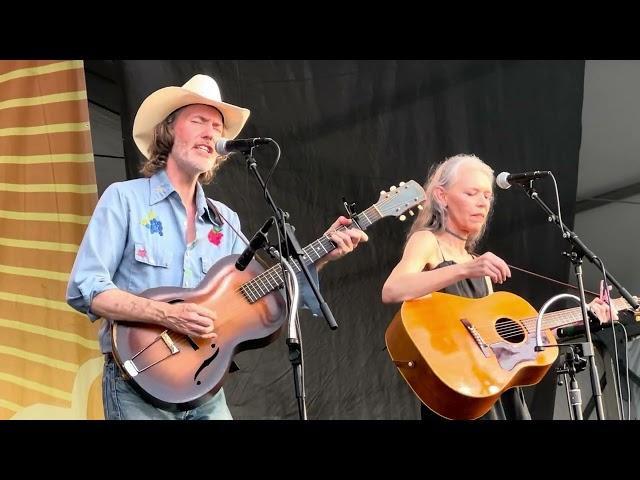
(578, 251)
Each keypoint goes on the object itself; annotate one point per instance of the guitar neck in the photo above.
(563, 318)
(271, 279)
(323, 245)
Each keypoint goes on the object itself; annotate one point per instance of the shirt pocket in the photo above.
(152, 255)
(207, 263)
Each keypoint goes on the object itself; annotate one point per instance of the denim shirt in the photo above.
(135, 240)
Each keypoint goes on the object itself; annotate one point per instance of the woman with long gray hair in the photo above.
(439, 253)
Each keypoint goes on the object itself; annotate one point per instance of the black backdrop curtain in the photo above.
(352, 128)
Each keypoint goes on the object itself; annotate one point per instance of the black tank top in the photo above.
(468, 287)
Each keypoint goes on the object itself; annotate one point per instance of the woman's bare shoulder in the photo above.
(422, 247)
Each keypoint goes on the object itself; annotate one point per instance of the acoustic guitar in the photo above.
(460, 354)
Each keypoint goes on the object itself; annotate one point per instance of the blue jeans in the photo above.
(122, 402)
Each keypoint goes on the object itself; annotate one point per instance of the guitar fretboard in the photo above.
(562, 318)
(271, 279)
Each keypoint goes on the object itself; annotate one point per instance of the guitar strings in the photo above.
(515, 327)
(272, 274)
(529, 323)
(182, 340)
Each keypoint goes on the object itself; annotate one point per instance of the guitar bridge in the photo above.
(484, 348)
(169, 343)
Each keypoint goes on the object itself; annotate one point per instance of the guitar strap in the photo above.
(215, 213)
(220, 220)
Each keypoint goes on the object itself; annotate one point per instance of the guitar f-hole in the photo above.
(206, 362)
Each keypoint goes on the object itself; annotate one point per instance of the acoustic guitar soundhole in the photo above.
(509, 330)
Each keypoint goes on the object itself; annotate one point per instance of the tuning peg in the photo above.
(393, 187)
(420, 207)
(402, 218)
(411, 213)
(401, 184)
(382, 192)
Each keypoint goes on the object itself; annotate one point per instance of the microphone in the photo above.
(568, 332)
(576, 330)
(225, 147)
(258, 241)
(505, 179)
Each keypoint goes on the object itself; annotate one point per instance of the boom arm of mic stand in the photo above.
(291, 240)
(579, 245)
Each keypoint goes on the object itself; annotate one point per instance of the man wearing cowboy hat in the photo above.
(158, 231)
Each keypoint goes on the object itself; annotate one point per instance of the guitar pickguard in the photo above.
(509, 355)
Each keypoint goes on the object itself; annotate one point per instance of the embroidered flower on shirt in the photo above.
(215, 235)
(142, 252)
(152, 223)
(155, 226)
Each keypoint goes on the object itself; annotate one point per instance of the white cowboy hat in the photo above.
(200, 89)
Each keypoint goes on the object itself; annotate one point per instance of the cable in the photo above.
(615, 340)
(555, 185)
(273, 167)
(626, 360)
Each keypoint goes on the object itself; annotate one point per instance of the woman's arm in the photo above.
(408, 281)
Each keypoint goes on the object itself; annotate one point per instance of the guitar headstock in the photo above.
(401, 199)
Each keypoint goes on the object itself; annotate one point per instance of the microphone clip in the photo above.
(258, 241)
